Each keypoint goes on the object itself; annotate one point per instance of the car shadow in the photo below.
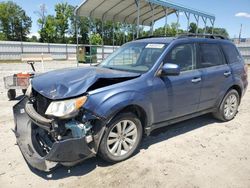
(156, 136)
(80, 169)
(177, 129)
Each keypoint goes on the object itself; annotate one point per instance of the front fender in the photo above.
(108, 105)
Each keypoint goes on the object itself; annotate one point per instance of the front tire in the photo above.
(122, 138)
(228, 107)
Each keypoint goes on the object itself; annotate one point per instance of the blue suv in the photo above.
(69, 115)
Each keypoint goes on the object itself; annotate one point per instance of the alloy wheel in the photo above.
(231, 106)
(122, 138)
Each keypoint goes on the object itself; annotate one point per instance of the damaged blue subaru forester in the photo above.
(69, 115)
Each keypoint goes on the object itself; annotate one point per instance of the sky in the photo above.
(230, 14)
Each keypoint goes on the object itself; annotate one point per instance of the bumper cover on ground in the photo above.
(67, 151)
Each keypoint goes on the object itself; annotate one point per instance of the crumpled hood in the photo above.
(71, 82)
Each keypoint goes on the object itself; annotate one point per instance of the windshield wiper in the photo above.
(109, 68)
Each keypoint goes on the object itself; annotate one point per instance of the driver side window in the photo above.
(182, 55)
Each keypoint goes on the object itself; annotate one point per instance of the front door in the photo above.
(176, 96)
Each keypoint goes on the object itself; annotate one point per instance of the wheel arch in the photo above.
(237, 88)
(108, 107)
(135, 109)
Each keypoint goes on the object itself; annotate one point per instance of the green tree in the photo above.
(2, 36)
(42, 15)
(216, 30)
(82, 26)
(118, 34)
(33, 39)
(96, 39)
(131, 32)
(48, 32)
(62, 18)
(171, 31)
(192, 27)
(15, 25)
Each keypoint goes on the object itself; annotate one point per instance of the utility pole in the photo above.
(21, 36)
(240, 32)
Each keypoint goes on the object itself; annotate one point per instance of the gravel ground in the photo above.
(200, 152)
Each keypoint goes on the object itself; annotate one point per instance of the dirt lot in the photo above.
(196, 153)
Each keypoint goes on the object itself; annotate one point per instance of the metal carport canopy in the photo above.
(126, 11)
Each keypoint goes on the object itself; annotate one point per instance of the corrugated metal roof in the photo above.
(182, 8)
(125, 11)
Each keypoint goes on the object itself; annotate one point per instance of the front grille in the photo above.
(40, 102)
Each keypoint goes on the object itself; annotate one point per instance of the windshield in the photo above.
(134, 57)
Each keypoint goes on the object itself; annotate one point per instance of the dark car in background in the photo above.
(72, 114)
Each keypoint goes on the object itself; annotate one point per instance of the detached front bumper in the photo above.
(69, 151)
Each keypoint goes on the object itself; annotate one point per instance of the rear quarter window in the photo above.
(232, 54)
(210, 55)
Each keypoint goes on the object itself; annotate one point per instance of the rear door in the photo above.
(216, 74)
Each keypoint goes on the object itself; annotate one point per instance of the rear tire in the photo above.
(122, 138)
(11, 94)
(228, 107)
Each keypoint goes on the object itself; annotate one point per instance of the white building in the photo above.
(244, 47)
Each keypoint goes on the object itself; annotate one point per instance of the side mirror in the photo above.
(170, 69)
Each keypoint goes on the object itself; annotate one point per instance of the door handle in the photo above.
(196, 80)
(227, 73)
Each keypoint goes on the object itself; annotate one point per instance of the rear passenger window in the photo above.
(232, 53)
(210, 55)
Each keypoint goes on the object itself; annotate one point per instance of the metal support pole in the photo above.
(213, 27)
(77, 40)
(42, 63)
(133, 32)
(21, 36)
(205, 29)
(188, 20)
(126, 32)
(67, 53)
(49, 47)
(102, 42)
(153, 19)
(123, 33)
(166, 21)
(197, 23)
(138, 17)
(205, 23)
(188, 25)
(212, 22)
(113, 36)
(90, 45)
(178, 19)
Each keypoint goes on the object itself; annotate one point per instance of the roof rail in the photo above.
(210, 36)
(150, 36)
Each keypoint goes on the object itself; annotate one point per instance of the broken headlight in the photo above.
(66, 108)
